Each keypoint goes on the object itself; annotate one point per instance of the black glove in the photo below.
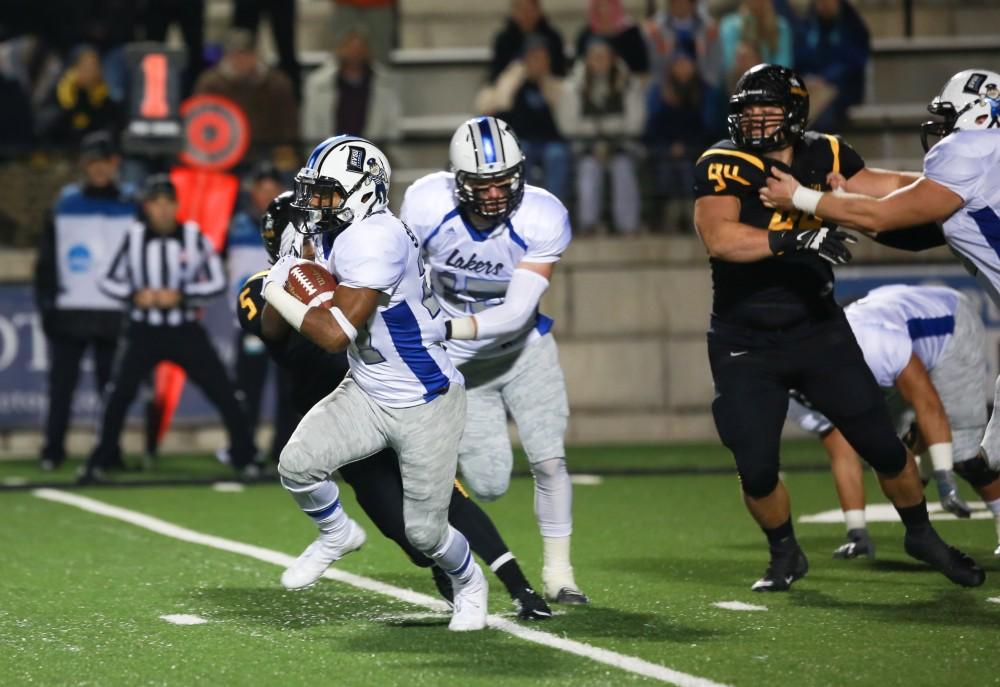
(831, 244)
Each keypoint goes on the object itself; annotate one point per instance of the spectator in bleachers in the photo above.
(189, 15)
(831, 53)
(264, 93)
(281, 17)
(351, 94)
(752, 34)
(526, 96)
(34, 65)
(675, 135)
(602, 111)
(609, 20)
(81, 102)
(16, 118)
(526, 19)
(376, 17)
(81, 235)
(683, 25)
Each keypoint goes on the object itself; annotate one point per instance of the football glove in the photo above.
(830, 244)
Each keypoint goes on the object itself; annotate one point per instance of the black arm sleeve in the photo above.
(914, 239)
(850, 161)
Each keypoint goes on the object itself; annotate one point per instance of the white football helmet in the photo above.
(964, 102)
(353, 169)
(484, 152)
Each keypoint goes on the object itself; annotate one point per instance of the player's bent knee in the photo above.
(977, 472)
(888, 460)
(295, 464)
(553, 468)
(758, 483)
(425, 537)
(487, 487)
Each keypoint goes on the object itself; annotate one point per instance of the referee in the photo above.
(165, 270)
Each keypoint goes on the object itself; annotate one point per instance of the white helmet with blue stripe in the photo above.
(485, 154)
(346, 178)
(970, 100)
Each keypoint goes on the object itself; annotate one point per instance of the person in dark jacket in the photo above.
(609, 20)
(526, 19)
(831, 51)
(84, 228)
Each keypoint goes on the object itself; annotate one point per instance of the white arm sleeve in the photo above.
(520, 303)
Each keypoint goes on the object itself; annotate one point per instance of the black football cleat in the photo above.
(858, 544)
(927, 546)
(530, 605)
(785, 568)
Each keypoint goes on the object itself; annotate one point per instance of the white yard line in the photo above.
(738, 606)
(629, 664)
(183, 619)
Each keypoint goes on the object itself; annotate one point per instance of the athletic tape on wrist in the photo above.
(286, 304)
(941, 456)
(345, 324)
(806, 199)
(463, 328)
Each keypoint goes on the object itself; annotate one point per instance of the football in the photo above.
(311, 284)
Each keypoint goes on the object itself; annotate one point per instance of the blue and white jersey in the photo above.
(892, 323)
(471, 269)
(397, 357)
(968, 163)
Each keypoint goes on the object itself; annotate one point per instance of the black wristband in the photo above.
(447, 330)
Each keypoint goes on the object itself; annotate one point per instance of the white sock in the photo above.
(855, 519)
(321, 502)
(455, 557)
(555, 557)
(553, 498)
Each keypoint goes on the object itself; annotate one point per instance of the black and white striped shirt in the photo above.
(184, 261)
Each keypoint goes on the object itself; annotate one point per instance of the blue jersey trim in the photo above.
(543, 324)
(434, 232)
(489, 150)
(514, 236)
(989, 225)
(404, 330)
(924, 327)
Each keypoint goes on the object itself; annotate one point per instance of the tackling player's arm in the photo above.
(871, 181)
(920, 202)
(915, 385)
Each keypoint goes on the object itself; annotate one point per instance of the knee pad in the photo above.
(424, 537)
(547, 470)
(487, 487)
(758, 483)
(976, 471)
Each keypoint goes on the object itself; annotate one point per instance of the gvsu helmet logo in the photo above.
(355, 159)
(78, 258)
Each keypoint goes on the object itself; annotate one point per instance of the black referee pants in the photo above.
(753, 376)
(188, 346)
(65, 355)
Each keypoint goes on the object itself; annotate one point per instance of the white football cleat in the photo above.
(470, 603)
(318, 556)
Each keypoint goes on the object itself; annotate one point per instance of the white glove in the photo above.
(278, 274)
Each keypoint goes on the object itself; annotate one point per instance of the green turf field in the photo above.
(83, 593)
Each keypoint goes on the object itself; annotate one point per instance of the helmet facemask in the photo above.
(768, 85)
(471, 190)
(321, 203)
(760, 131)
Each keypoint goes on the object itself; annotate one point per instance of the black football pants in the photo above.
(827, 366)
(188, 346)
(65, 355)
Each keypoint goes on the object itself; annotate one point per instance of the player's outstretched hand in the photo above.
(779, 190)
(830, 244)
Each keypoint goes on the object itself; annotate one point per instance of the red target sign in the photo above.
(216, 132)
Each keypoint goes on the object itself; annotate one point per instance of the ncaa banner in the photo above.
(24, 365)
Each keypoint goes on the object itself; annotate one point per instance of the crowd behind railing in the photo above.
(613, 130)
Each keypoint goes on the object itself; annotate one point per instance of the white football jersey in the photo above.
(470, 269)
(894, 322)
(968, 163)
(397, 357)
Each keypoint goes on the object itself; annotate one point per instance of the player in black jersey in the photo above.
(775, 325)
(376, 480)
